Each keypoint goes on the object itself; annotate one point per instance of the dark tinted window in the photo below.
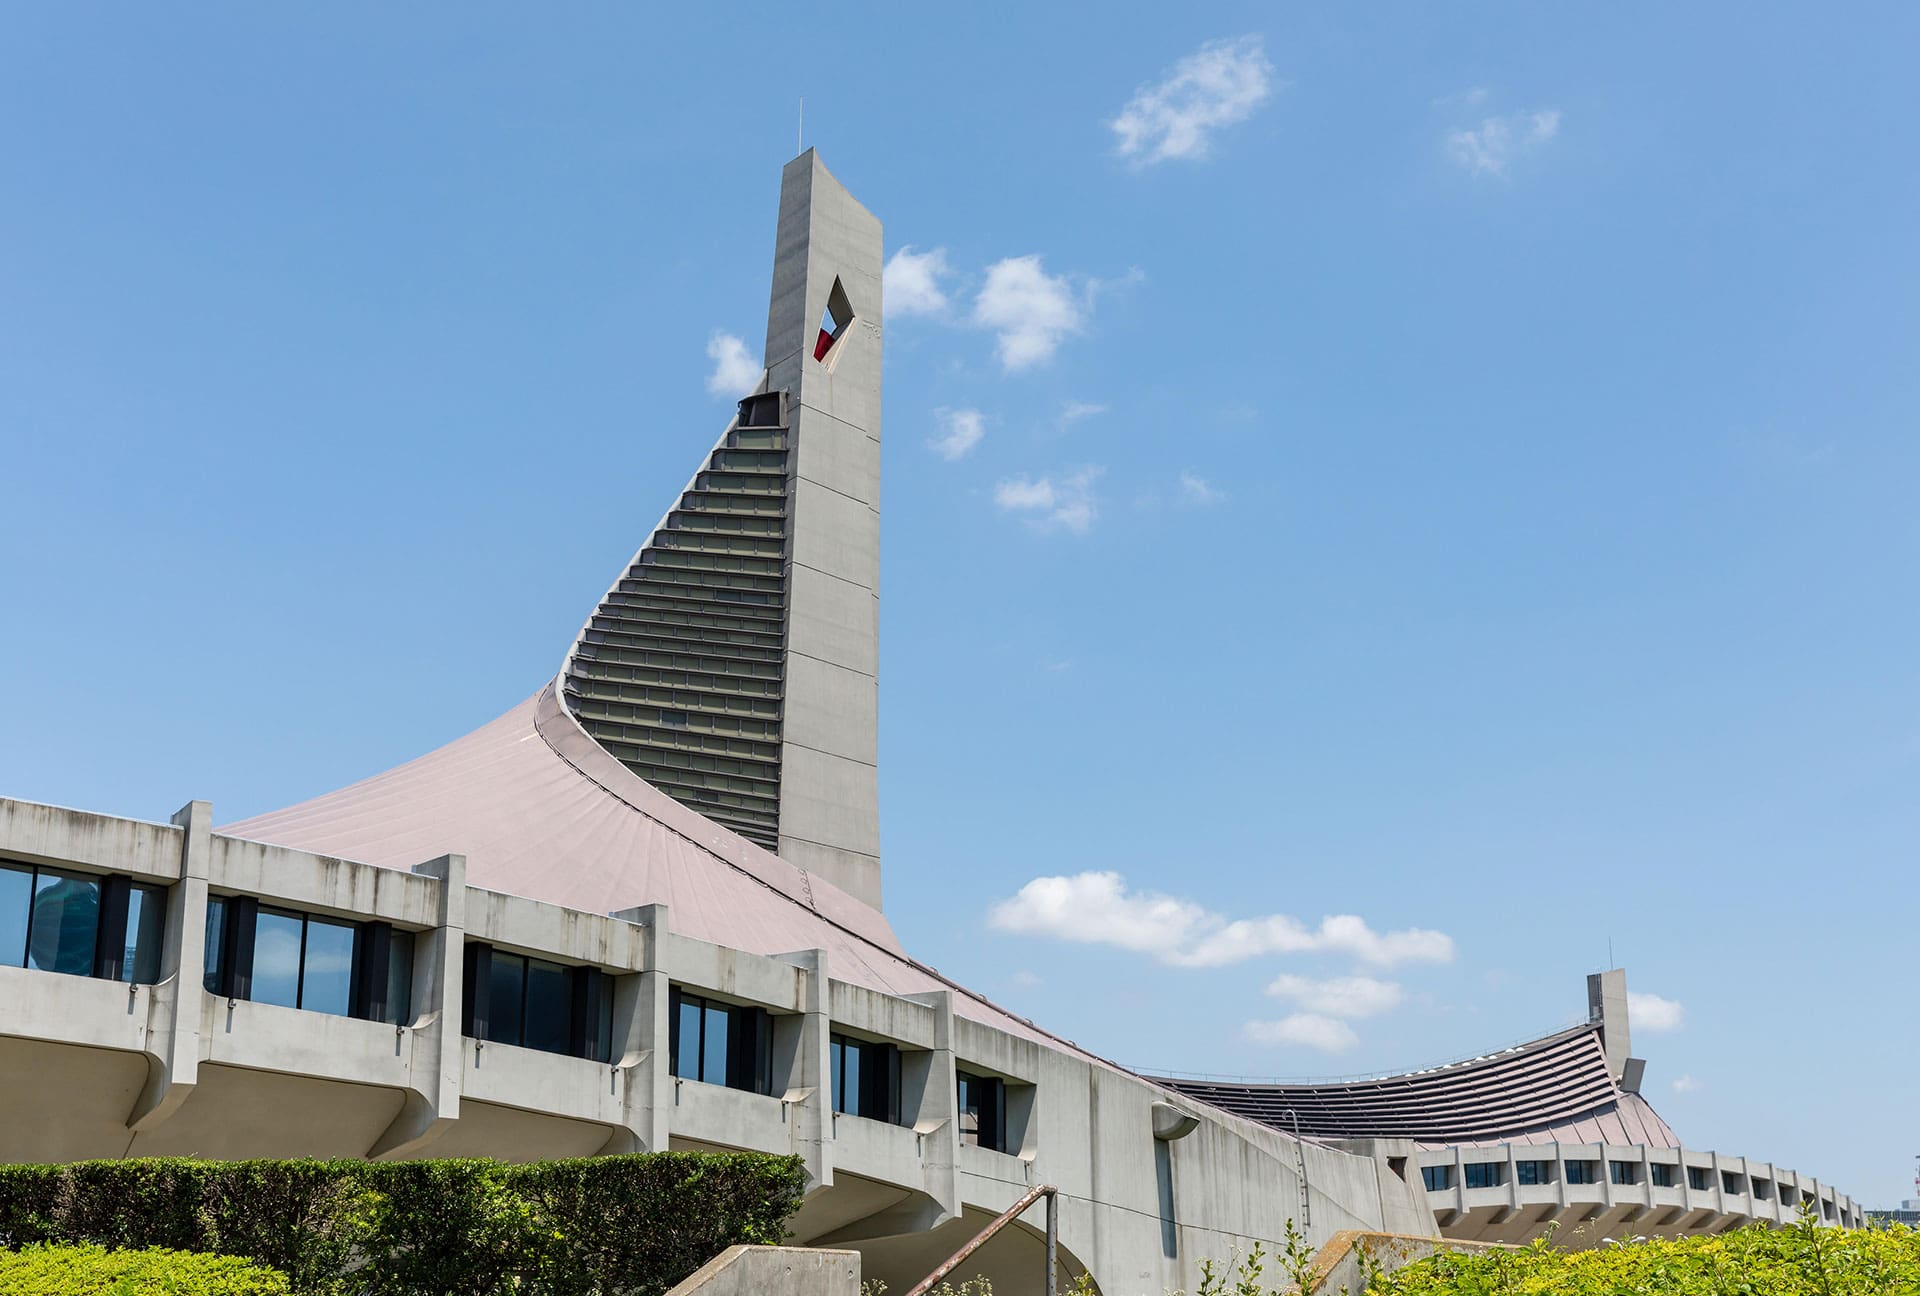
(1436, 1177)
(146, 929)
(1697, 1178)
(983, 1105)
(1532, 1172)
(1483, 1174)
(549, 1003)
(507, 1005)
(65, 923)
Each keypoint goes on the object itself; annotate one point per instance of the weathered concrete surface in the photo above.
(775, 1271)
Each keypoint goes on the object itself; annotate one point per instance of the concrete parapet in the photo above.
(775, 1271)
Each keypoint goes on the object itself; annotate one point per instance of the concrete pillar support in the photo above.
(808, 1101)
(433, 1094)
(938, 1120)
(178, 1001)
(641, 1004)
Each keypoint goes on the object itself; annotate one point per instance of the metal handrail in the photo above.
(1013, 1212)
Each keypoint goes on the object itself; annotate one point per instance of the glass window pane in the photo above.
(508, 977)
(549, 1005)
(326, 981)
(850, 1080)
(604, 1028)
(837, 1083)
(16, 901)
(276, 959)
(686, 1047)
(969, 1109)
(66, 921)
(216, 942)
(713, 1052)
(400, 978)
(146, 928)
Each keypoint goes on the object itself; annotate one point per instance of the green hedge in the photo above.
(633, 1225)
(83, 1270)
(1752, 1261)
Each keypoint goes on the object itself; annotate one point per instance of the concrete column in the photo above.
(1513, 1181)
(809, 1104)
(1607, 1004)
(178, 1001)
(642, 1036)
(938, 1121)
(433, 1094)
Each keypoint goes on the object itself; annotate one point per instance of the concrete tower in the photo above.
(735, 663)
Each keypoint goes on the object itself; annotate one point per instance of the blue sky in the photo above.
(1450, 471)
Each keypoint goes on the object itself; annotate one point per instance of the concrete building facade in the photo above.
(640, 910)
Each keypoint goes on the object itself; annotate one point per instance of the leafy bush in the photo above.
(1805, 1260)
(83, 1270)
(634, 1225)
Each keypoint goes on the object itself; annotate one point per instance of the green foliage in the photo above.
(84, 1270)
(1805, 1260)
(633, 1225)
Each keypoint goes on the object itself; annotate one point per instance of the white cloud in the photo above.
(1073, 411)
(735, 371)
(1063, 504)
(1216, 86)
(1649, 1012)
(1307, 1030)
(911, 282)
(1497, 142)
(1027, 979)
(961, 430)
(1687, 1084)
(1349, 996)
(1197, 491)
(1031, 310)
(1095, 908)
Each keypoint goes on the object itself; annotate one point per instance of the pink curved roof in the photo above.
(541, 810)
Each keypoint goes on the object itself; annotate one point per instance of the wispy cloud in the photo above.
(960, 431)
(1650, 1012)
(1065, 503)
(911, 282)
(1074, 411)
(1218, 85)
(1304, 1030)
(1096, 908)
(1198, 492)
(1349, 996)
(1687, 1084)
(1493, 146)
(735, 371)
(1031, 310)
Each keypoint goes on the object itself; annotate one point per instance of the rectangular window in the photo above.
(1760, 1187)
(82, 924)
(304, 961)
(721, 1043)
(983, 1111)
(1731, 1184)
(1622, 1172)
(1697, 1178)
(1662, 1175)
(1436, 1177)
(1533, 1172)
(866, 1078)
(1483, 1174)
(1582, 1172)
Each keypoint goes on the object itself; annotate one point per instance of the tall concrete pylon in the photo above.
(735, 663)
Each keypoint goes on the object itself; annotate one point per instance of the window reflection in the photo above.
(65, 924)
(326, 968)
(146, 928)
(549, 1006)
(16, 902)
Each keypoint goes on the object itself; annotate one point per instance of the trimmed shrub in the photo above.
(1752, 1261)
(633, 1225)
(84, 1270)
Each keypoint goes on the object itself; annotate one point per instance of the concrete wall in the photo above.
(103, 1069)
(775, 1271)
(829, 787)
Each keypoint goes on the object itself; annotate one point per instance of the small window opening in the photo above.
(833, 321)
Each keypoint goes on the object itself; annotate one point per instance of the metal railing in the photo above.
(1013, 1212)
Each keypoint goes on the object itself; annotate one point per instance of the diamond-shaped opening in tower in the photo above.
(833, 321)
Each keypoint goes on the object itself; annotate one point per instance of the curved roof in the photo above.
(541, 810)
(1556, 1089)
